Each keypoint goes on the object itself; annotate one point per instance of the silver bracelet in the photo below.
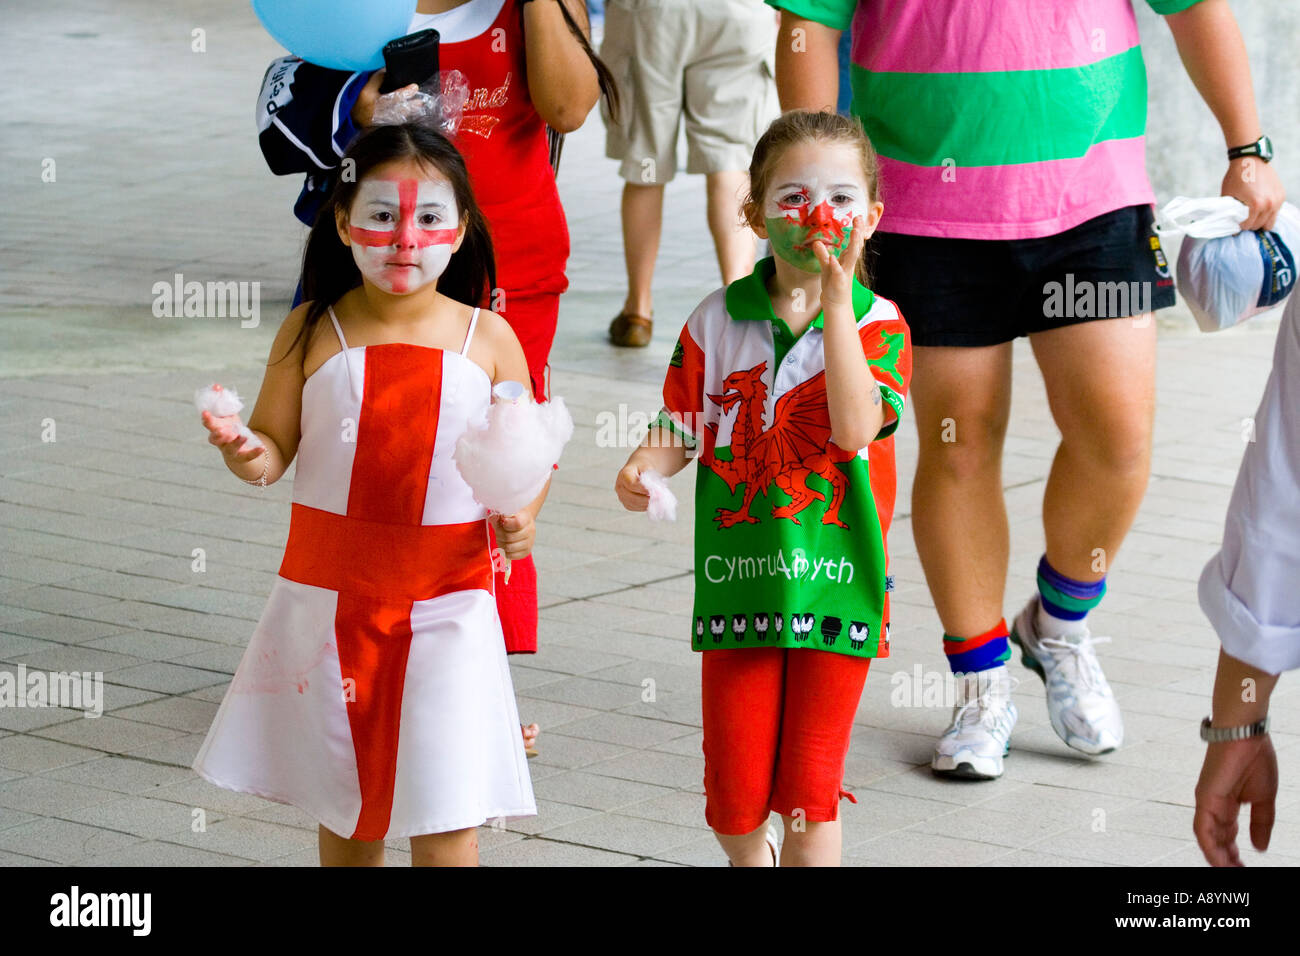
(266, 467)
(1219, 735)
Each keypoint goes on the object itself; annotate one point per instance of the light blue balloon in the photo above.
(339, 34)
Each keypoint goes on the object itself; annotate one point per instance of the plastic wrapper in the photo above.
(1226, 275)
(663, 503)
(439, 103)
(222, 403)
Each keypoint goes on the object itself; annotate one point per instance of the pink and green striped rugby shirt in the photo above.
(998, 119)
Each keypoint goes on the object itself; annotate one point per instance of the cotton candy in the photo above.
(222, 403)
(507, 458)
(663, 503)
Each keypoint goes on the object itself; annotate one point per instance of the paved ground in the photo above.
(100, 526)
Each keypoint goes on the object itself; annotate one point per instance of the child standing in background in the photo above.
(781, 383)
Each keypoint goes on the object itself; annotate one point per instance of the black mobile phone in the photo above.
(410, 59)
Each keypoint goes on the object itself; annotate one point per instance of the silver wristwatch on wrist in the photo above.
(1219, 735)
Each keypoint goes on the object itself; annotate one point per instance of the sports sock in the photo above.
(980, 653)
(1064, 603)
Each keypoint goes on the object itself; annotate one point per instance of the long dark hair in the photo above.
(328, 269)
(608, 88)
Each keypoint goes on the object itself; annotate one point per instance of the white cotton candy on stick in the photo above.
(663, 503)
(223, 402)
(507, 458)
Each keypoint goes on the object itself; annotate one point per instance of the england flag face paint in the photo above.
(810, 201)
(402, 231)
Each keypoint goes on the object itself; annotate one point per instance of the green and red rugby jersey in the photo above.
(790, 529)
(998, 119)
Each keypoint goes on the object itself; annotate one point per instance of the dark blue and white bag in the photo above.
(1226, 275)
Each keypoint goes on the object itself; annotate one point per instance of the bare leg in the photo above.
(1101, 387)
(812, 844)
(340, 851)
(454, 848)
(643, 217)
(962, 398)
(732, 239)
(748, 849)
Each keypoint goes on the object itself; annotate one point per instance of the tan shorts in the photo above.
(710, 61)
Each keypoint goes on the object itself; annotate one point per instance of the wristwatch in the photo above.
(1219, 735)
(1262, 147)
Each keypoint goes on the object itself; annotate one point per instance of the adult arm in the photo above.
(1214, 55)
(562, 81)
(807, 64)
(1237, 771)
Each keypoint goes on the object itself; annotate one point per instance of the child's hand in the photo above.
(629, 489)
(837, 274)
(515, 533)
(229, 434)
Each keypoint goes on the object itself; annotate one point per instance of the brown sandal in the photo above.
(629, 330)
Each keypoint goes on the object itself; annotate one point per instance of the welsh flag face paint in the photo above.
(801, 211)
(402, 231)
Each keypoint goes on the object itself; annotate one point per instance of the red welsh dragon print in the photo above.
(797, 446)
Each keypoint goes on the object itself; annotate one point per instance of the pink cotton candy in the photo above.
(507, 458)
(663, 503)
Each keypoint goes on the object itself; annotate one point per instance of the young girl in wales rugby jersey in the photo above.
(787, 385)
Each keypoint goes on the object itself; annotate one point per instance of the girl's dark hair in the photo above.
(800, 126)
(608, 88)
(328, 269)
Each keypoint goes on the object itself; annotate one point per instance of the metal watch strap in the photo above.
(1218, 735)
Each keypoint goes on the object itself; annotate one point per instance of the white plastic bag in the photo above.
(1226, 275)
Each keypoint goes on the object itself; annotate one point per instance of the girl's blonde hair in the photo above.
(801, 126)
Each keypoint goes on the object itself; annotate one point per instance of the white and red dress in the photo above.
(374, 693)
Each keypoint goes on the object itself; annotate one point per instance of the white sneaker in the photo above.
(1080, 703)
(980, 735)
(773, 845)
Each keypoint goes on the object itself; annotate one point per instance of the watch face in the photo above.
(1265, 148)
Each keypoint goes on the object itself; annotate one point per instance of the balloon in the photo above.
(338, 34)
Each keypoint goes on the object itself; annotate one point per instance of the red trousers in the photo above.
(777, 724)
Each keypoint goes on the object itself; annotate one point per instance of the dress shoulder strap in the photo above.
(473, 321)
(338, 331)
